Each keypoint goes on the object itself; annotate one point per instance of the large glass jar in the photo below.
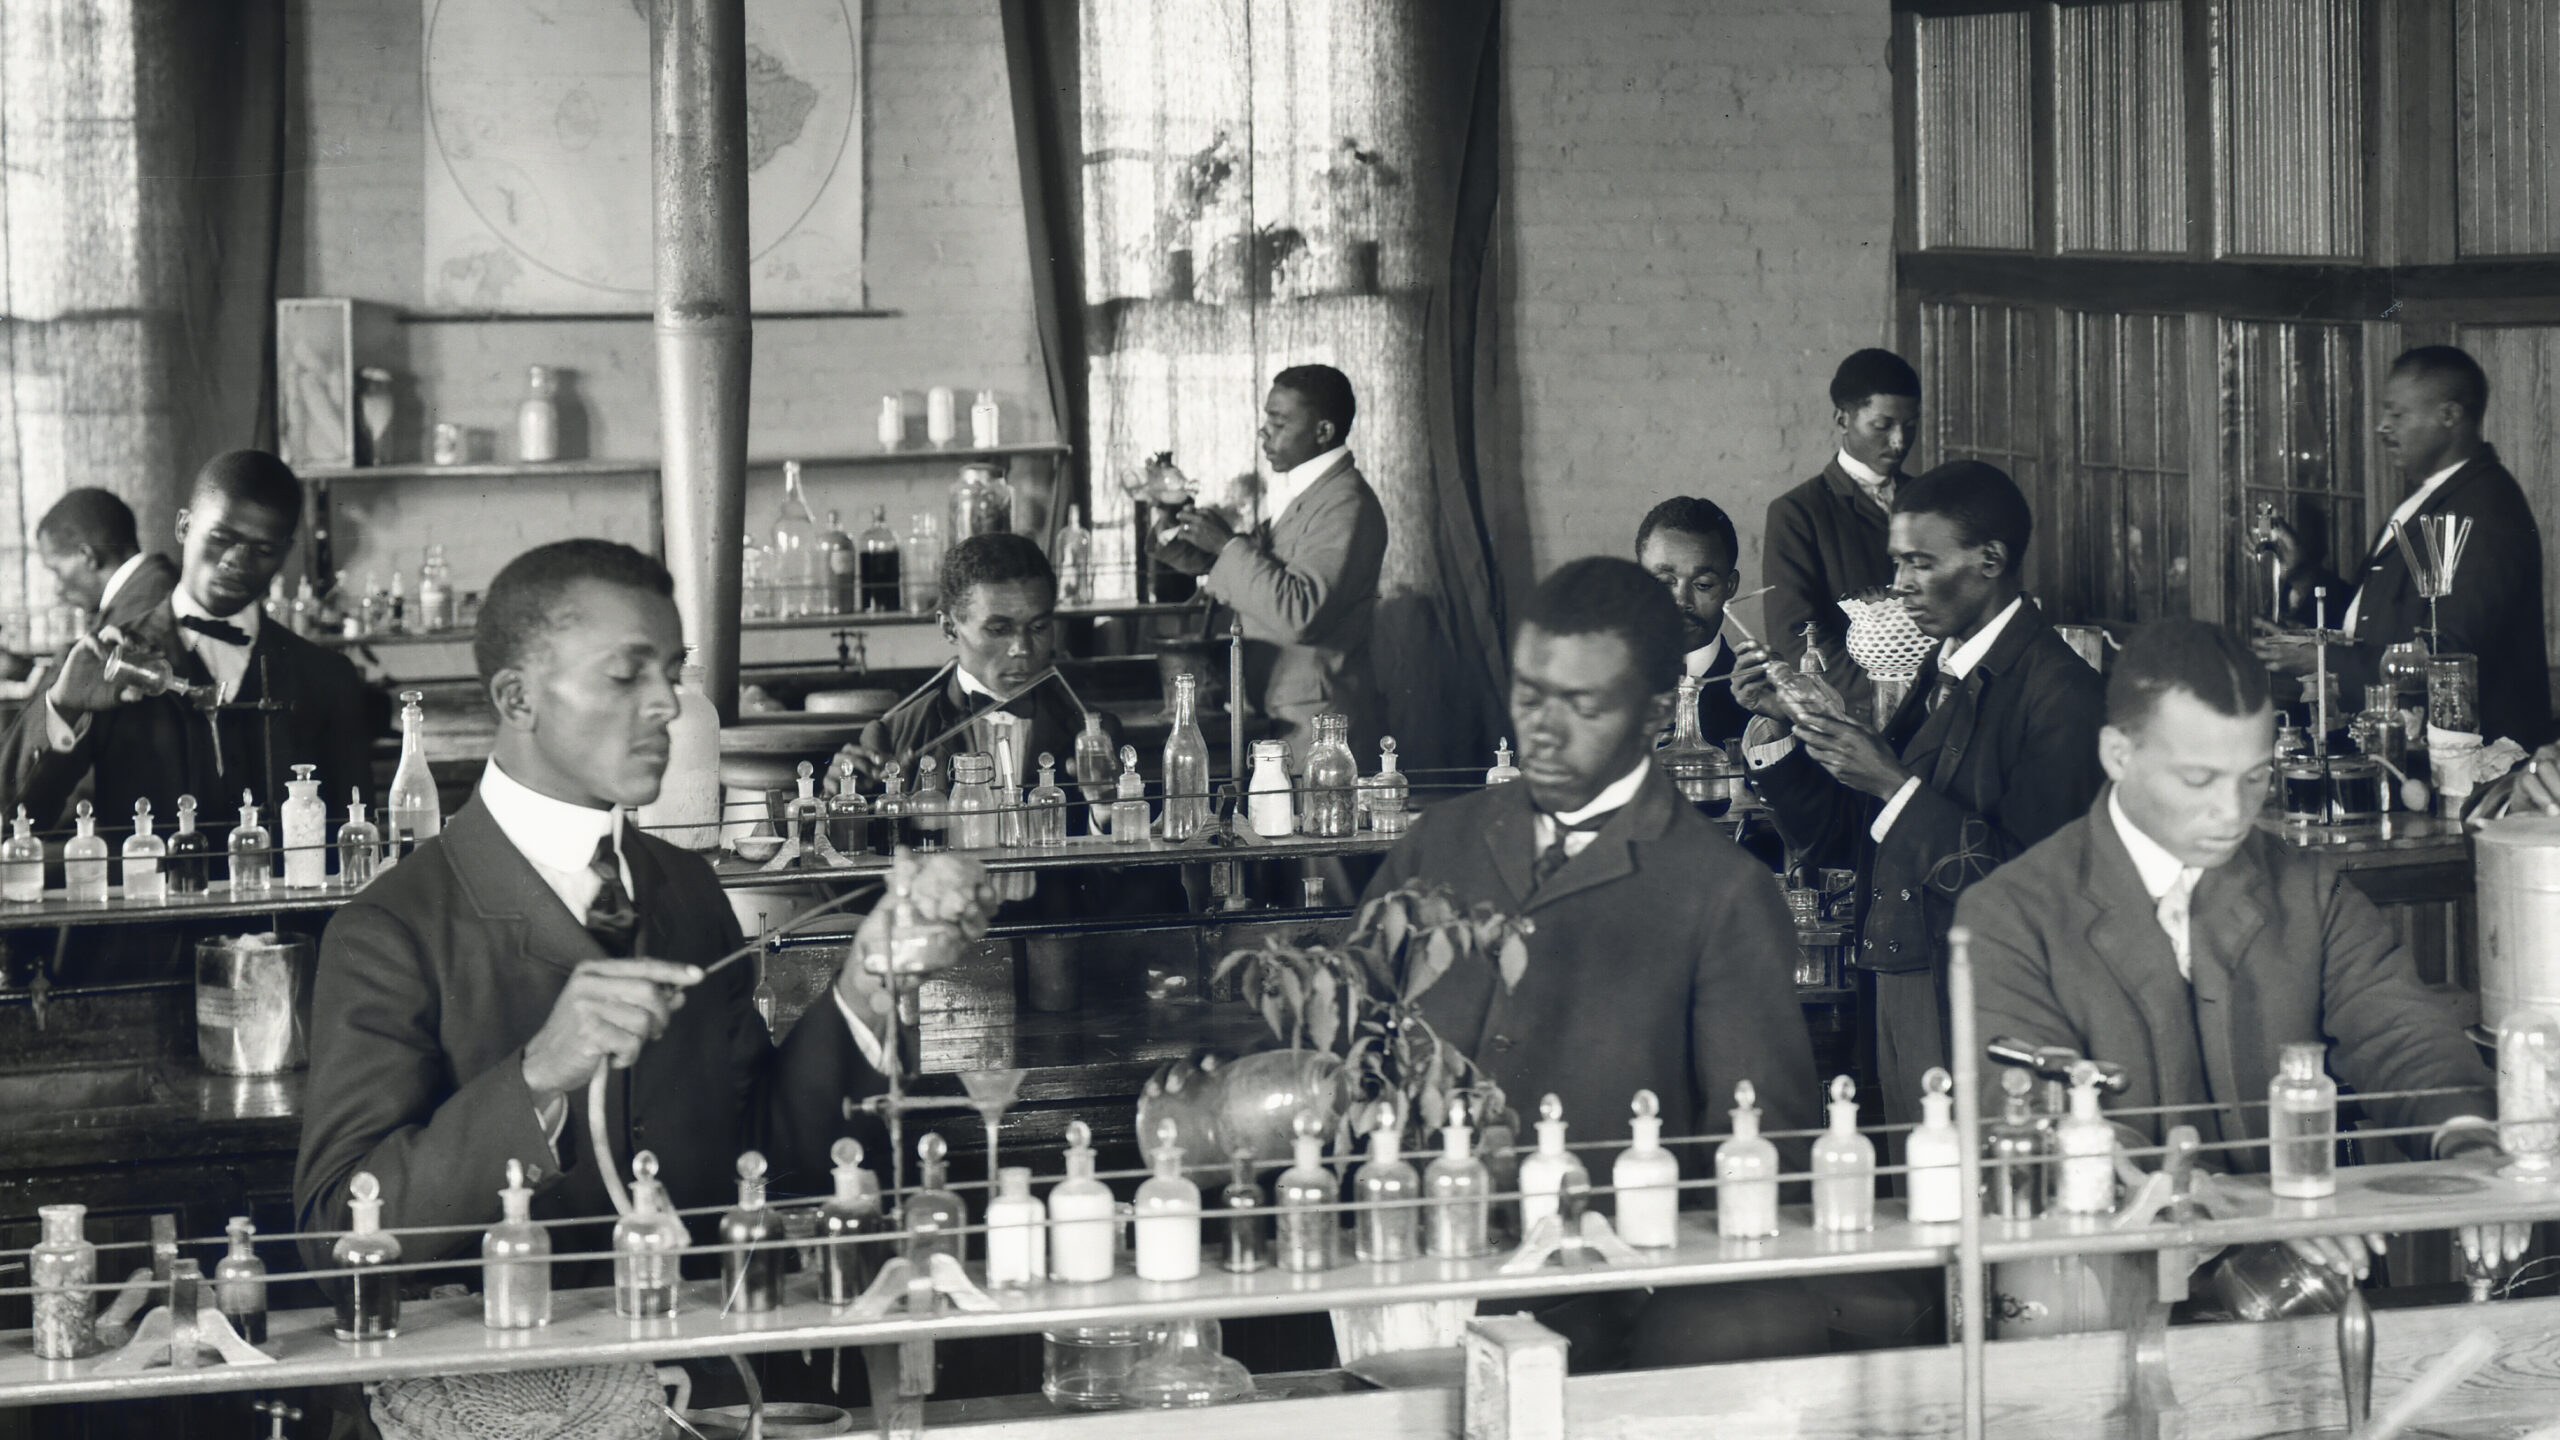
(2453, 693)
(1333, 778)
(66, 1325)
(981, 503)
(975, 822)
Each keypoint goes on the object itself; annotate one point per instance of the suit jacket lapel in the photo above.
(2126, 936)
(1512, 839)
(2225, 919)
(503, 886)
(1611, 853)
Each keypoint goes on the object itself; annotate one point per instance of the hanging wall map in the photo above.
(538, 186)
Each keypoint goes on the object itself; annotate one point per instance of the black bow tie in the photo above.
(222, 630)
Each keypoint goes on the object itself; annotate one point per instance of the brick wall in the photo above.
(1698, 212)
(944, 249)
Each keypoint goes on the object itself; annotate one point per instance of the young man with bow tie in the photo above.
(233, 536)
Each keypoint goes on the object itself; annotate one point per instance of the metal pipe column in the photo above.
(698, 163)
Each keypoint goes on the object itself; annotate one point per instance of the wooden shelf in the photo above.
(821, 623)
(578, 469)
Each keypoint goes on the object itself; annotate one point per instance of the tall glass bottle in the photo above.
(877, 566)
(1457, 1225)
(240, 1283)
(252, 852)
(976, 822)
(190, 853)
(359, 845)
(1844, 1166)
(1186, 764)
(435, 592)
(1244, 1226)
(412, 814)
(144, 879)
(515, 1261)
(1686, 757)
(66, 1321)
(1390, 1230)
(928, 809)
(1129, 812)
(304, 818)
(1308, 1234)
(1647, 1179)
(920, 564)
(1074, 548)
(843, 566)
(648, 1246)
(848, 1260)
(931, 1214)
(1746, 1175)
(1081, 1214)
(1017, 1231)
(751, 1275)
(1093, 772)
(1333, 779)
(1044, 825)
(2302, 1121)
(22, 862)
(1168, 1214)
(1385, 798)
(797, 566)
(84, 859)
(368, 1303)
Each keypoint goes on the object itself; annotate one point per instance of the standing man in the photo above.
(2431, 411)
(1826, 537)
(1994, 749)
(1663, 957)
(89, 543)
(2165, 932)
(233, 535)
(1306, 579)
(1688, 544)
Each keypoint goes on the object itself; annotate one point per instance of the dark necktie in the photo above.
(611, 917)
(1939, 692)
(1554, 858)
(222, 630)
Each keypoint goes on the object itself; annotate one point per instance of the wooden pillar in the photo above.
(698, 150)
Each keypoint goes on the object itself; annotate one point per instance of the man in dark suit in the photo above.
(1994, 749)
(1826, 538)
(1663, 957)
(466, 996)
(89, 543)
(233, 535)
(1689, 545)
(2431, 411)
(2166, 931)
(1305, 580)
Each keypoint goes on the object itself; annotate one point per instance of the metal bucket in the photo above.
(2518, 862)
(253, 1004)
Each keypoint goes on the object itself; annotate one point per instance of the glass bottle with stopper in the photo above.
(1093, 772)
(842, 564)
(143, 851)
(1746, 1174)
(1647, 1179)
(1129, 810)
(931, 1214)
(59, 1267)
(1308, 1233)
(1080, 1216)
(190, 852)
(1388, 1228)
(2529, 1095)
(648, 1248)
(359, 845)
(22, 862)
(1503, 771)
(1186, 764)
(1168, 1214)
(804, 815)
(2302, 1125)
(1546, 1171)
(848, 814)
(1075, 560)
(976, 822)
(1017, 1231)
(889, 815)
(1044, 825)
(751, 1270)
(253, 857)
(304, 818)
(515, 1261)
(240, 1282)
(2087, 1144)
(2015, 1152)
(928, 809)
(413, 812)
(1457, 1222)
(1244, 1227)
(1693, 762)
(847, 1261)
(368, 1302)
(1936, 1154)
(84, 859)
(1385, 797)
(1844, 1166)
(1333, 780)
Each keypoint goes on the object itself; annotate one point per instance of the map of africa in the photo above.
(538, 185)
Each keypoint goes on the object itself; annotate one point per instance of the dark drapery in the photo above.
(1228, 187)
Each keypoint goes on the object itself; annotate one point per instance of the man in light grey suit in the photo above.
(1306, 579)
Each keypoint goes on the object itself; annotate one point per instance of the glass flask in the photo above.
(1181, 1366)
(144, 879)
(1333, 778)
(2302, 1125)
(1186, 764)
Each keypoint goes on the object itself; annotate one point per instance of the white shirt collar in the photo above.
(1957, 661)
(553, 834)
(972, 685)
(115, 582)
(183, 603)
(2158, 868)
(1699, 661)
(1287, 486)
(1620, 791)
(2419, 497)
(1866, 477)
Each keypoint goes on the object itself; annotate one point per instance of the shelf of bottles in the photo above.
(2049, 1183)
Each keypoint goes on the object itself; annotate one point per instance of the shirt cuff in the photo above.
(1765, 742)
(59, 732)
(862, 1036)
(2435, 1142)
(1893, 809)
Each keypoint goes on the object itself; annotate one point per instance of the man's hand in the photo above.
(2346, 1254)
(2538, 783)
(1854, 754)
(871, 765)
(945, 890)
(2486, 1248)
(1202, 529)
(2286, 655)
(80, 687)
(608, 1011)
(1752, 691)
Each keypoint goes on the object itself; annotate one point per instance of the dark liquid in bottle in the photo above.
(2358, 798)
(879, 579)
(369, 1307)
(251, 1324)
(2306, 797)
(187, 865)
